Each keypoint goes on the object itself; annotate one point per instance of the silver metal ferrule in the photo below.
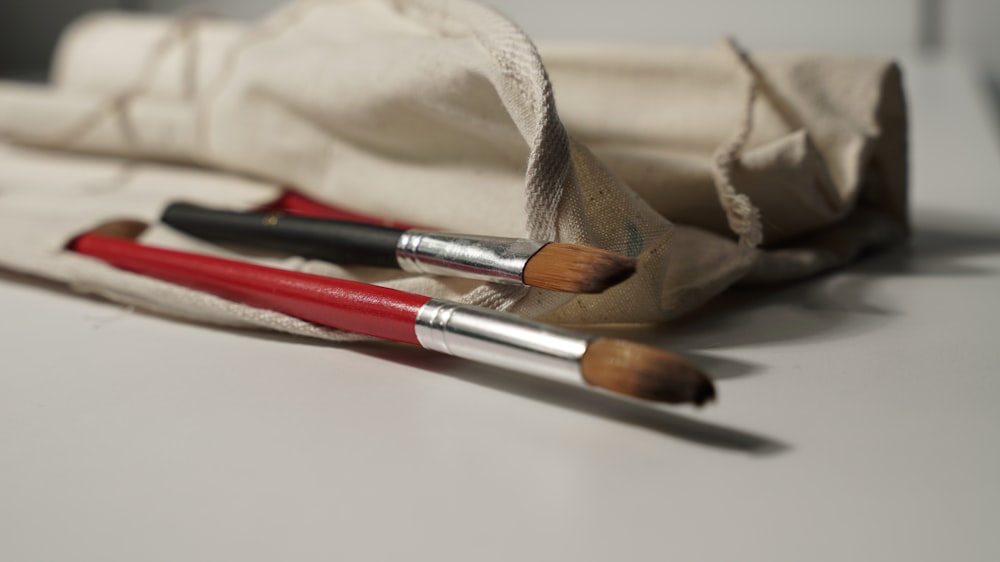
(477, 257)
(501, 339)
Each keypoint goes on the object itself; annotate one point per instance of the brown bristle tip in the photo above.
(644, 372)
(124, 228)
(576, 269)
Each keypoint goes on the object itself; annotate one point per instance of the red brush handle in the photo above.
(297, 204)
(347, 305)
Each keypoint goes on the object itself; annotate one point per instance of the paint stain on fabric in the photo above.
(633, 240)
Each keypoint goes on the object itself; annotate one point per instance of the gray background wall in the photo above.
(29, 28)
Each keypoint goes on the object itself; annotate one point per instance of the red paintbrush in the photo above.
(295, 203)
(471, 332)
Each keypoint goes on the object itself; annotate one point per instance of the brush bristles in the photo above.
(127, 229)
(576, 269)
(644, 372)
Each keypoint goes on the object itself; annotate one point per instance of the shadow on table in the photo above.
(845, 304)
(590, 401)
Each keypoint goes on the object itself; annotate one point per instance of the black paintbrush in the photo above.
(549, 265)
(461, 330)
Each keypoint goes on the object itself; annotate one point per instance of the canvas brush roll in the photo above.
(711, 166)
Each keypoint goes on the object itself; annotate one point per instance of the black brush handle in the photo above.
(340, 242)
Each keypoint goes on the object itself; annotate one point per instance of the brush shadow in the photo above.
(587, 400)
(593, 402)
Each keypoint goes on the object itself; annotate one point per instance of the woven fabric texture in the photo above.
(712, 166)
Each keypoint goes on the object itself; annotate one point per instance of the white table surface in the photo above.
(858, 420)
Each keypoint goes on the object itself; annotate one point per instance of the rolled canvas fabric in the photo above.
(711, 166)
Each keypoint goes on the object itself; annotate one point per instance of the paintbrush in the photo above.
(548, 265)
(466, 331)
(294, 203)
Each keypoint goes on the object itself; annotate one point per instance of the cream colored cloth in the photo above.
(712, 166)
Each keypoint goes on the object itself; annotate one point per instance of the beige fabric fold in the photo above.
(713, 166)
